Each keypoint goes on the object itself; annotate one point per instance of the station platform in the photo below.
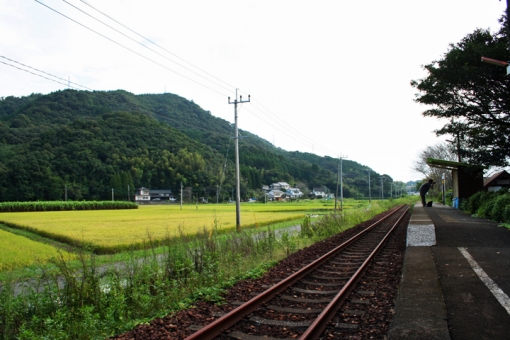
(456, 278)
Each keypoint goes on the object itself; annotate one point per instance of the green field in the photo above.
(108, 231)
(18, 251)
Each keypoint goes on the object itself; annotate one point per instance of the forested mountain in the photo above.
(86, 143)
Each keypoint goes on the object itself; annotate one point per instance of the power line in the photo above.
(125, 35)
(152, 42)
(129, 49)
(33, 68)
(34, 73)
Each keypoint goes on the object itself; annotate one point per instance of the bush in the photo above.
(476, 201)
(500, 207)
(491, 205)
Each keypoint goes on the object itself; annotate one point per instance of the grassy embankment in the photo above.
(167, 276)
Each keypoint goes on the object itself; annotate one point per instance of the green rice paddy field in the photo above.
(117, 230)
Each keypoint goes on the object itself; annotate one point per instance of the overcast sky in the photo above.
(328, 77)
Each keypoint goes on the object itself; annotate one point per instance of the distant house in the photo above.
(497, 181)
(284, 185)
(279, 186)
(276, 195)
(265, 188)
(294, 193)
(275, 186)
(142, 196)
(319, 192)
(145, 196)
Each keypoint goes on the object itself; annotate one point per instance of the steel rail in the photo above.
(213, 329)
(321, 322)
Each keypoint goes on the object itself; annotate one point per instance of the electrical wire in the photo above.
(33, 68)
(34, 74)
(125, 35)
(152, 42)
(129, 49)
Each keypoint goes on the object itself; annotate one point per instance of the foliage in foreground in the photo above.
(97, 302)
(492, 205)
(65, 205)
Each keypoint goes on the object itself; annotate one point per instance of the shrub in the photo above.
(500, 208)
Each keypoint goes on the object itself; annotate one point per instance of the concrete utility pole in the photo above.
(112, 195)
(341, 184)
(181, 195)
(341, 177)
(382, 188)
(337, 183)
(369, 189)
(238, 181)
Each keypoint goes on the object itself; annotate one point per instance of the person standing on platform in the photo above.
(424, 189)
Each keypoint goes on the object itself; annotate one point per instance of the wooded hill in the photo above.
(91, 142)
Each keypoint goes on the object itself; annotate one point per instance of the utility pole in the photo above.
(337, 183)
(112, 195)
(181, 195)
(369, 189)
(238, 181)
(341, 184)
(382, 188)
(66, 193)
(129, 199)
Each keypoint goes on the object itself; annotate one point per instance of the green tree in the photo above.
(472, 95)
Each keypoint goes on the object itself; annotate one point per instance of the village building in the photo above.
(497, 181)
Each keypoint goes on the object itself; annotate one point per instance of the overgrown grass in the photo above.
(93, 301)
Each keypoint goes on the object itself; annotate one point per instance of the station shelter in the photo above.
(467, 178)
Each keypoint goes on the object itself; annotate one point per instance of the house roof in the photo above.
(160, 191)
(490, 181)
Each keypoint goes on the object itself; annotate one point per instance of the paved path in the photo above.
(459, 287)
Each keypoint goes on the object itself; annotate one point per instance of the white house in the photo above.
(319, 192)
(145, 196)
(142, 195)
(294, 193)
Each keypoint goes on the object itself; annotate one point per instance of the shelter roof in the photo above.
(450, 165)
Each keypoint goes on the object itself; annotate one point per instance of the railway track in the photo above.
(315, 300)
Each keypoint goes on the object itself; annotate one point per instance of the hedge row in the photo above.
(63, 205)
(491, 205)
